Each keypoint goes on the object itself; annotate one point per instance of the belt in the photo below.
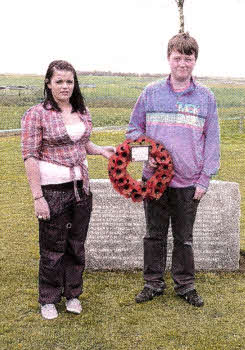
(63, 186)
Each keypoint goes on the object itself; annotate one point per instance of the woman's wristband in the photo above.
(36, 198)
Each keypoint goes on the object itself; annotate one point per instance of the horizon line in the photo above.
(133, 74)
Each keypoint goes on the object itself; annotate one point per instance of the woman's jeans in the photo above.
(61, 239)
(179, 205)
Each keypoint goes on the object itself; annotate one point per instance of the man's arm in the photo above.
(137, 124)
(212, 146)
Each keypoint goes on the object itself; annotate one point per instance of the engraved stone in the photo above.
(117, 228)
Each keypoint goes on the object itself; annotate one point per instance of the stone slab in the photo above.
(117, 228)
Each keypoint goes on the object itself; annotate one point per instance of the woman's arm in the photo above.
(33, 176)
(105, 151)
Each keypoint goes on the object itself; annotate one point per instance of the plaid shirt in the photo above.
(44, 137)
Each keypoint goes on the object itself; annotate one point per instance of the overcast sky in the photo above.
(119, 35)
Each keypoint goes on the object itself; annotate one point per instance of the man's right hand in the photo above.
(152, 163)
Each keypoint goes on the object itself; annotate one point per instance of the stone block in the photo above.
(117, 228)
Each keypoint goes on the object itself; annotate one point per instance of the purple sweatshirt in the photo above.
(186, 123)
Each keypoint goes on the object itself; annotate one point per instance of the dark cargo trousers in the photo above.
(61, 239)
(179, 205)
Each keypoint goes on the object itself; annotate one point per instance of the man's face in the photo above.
(181, 65)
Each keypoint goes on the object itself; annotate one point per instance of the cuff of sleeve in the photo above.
(26, 156)
(203, 181)
(134, 135)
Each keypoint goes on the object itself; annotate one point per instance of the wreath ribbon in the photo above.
(152, 188)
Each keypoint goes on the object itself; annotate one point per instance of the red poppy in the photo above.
(162, 158)
(117, 173)
(112, 161)
(142, 139)
(144, 188)
(136, 197)
(161, 149)
(163, 155)
(128, 141)
(154, 181)
(131, 181)
(126, 190)
(121, 181)
(136, 194)
(124, 147)
(153, 151)
(121, 162)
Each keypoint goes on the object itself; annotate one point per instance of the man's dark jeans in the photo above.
(61, 239)
(179, 205)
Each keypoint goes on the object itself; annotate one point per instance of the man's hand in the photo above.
(152, 163)
(199, 193)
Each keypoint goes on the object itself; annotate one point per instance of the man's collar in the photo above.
(191, 87)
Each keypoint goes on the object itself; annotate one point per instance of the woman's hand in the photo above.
(42, 211)
(107, 151)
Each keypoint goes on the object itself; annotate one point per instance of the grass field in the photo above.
(110, 319)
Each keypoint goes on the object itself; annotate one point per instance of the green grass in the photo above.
(112, 321)
(103, 116)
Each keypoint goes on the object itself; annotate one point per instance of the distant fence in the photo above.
(114, 95)
(241, 119)
(241, 126)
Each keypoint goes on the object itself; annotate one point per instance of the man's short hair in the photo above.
(184, 44)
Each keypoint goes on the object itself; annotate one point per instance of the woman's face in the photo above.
(61, 85)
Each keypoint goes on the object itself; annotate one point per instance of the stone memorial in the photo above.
(117, 228)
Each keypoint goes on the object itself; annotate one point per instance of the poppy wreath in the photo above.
(123, 183)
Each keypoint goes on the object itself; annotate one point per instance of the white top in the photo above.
(56, 174)
(75, 131)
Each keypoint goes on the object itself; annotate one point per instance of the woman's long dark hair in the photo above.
(77, 100)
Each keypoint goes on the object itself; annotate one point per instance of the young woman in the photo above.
(55, 142)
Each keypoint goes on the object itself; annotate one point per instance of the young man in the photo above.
(182, 115)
